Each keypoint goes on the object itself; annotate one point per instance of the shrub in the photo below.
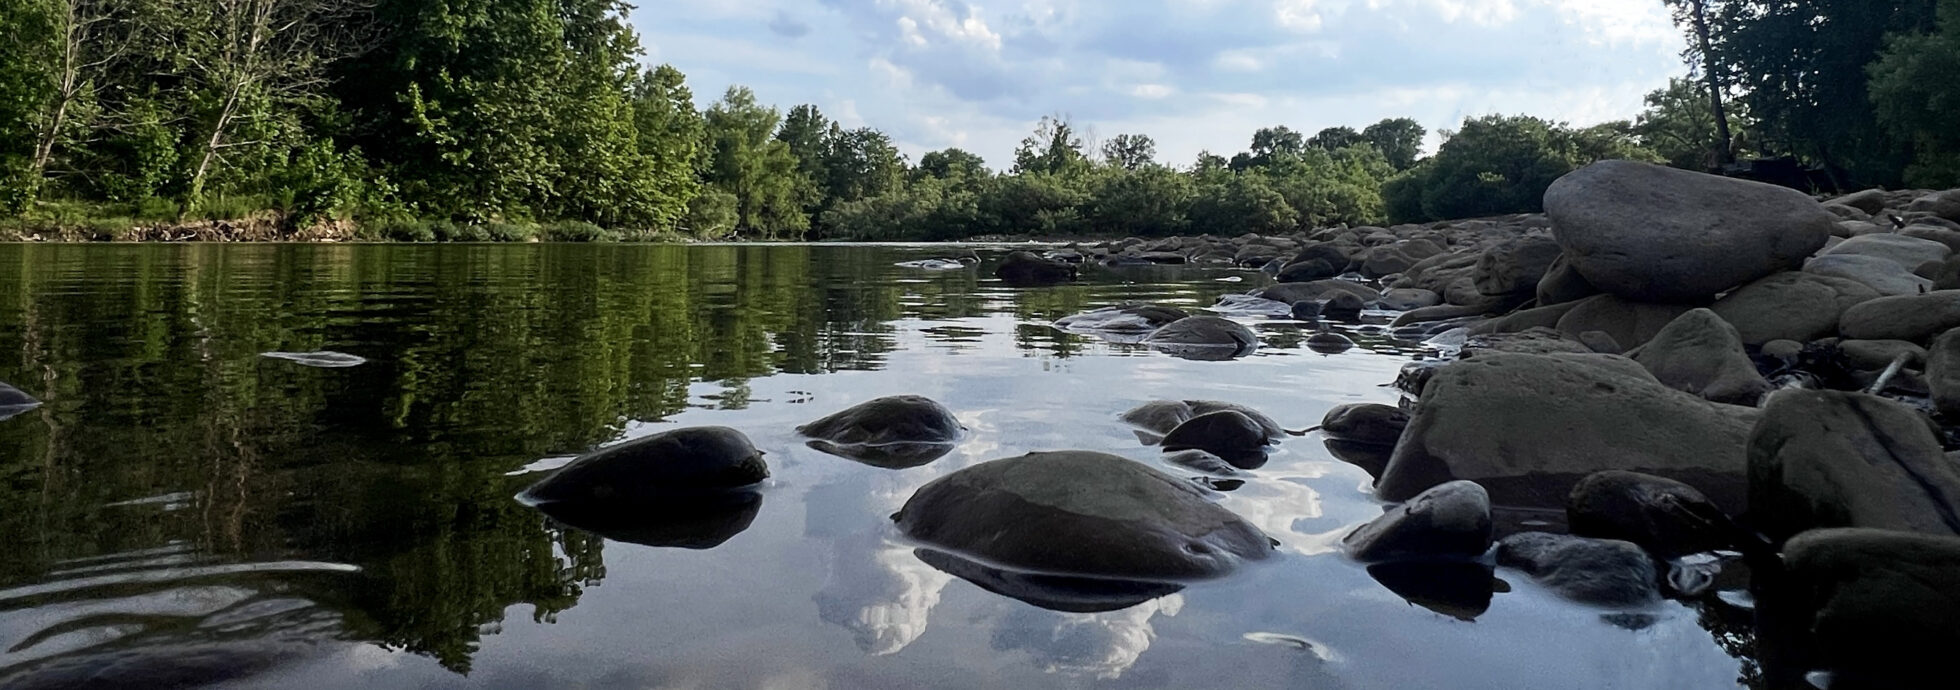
(576, 231)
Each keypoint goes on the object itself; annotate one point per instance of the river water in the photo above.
(185, 512)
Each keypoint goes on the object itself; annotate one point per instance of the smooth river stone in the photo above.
(688, 461)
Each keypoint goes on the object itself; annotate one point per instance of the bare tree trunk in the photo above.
(1711, 71)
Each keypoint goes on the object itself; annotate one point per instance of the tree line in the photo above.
(505, 119)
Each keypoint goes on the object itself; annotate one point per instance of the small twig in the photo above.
(1898, 362)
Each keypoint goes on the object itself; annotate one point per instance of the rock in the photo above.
(1306, 311)
(1943, 374)
(1651, 233)
(1602, 572)
(1306, 271)
(1830, 459)
(1942, 235)
(1870, 201)
(1081, 513)
(695, 521)
(1387, 260)
(1515, 266)
(1631, 324)
(1343, 307)
(1441, 312)
(1365, 423)
(1052, 592)
(1128, 318)
(1562, 283)
(1881, 605)
(1160, 416)
(1164, 258)
(1209, 333)
(1202, 461)
(1667, 518)
(1024, 269)
(1907, 252)
(682, 462)
(1880, 274)
(1784, 350)
(1316, 291)
(1939, 204)
(1526, 319)
(1601, 342)
(1328, 343)
(1273, 430)
(1405, 299)
(1702, 354)
(1875, 355)
(891, 419)
(1458, 589)
(1905, 317)
(1336, 258)
(1790, 306)
(1529, 427)
(1228, 434)
(1449, 521)
(1533, 341)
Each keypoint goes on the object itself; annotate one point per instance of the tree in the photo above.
(1679, 125)
(1915, 86)
(746, 160)
(1694, 16)
(953, 165)
(1398, 139)
(808, 134)
(860, 163)
(670, 135)
(1147, 200)
(1241, 203)
(1269, 144)
(1495, 165)
(1334, 138)
(1053, 149)
(1130, 151)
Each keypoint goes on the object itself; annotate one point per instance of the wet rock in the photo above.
(1206, 331)
(1441, 312)
(1529, 427)
(688, 461)
(1536, 341)
(1329, 343)
(1831, 459)
(1404, 299)
(1874, 355)
(1458, 589)
(1367, 423)
(1343, 307)
(1881, 605)
(1024, 269)
(1515, 266)
(1631, 324)
(1786, 351)
(1274, 431)
(1160, 416)
(1317, 291)
(1334, 256)
(14, 401)
(1202, 461)
(1651, 233)
(1702, 354)
(1667, 518)
(1562, 283)
(1905, 252)
(1228, 434)
(1305, 311)
(1943, 374)
(1306, 271)
(890, 419)
(1052, 592)
(1527, 319)
(1129, 318)
(1792, 305)
(1602, 572)
(1448, 521)
(1081, 513)
(323, 359)
(1879, 274)
(701, 521)
(1907, 317)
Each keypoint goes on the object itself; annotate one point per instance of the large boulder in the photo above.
(1652, 233)
(1665, 517)
(1024, 269)
(1449, 521)
(1905, 317)
(1938, 204)
(1602, 572)
(1792, 305)
(682, 462)
(1907, 252)
(890, 419)
(1943, 374)
(1832, 459)
(1081, 513)
(1881, 606)
(1529, 427)
(1365, 423)
(1881, 274)
(1702, 354)
(1630, 323)
(1316, 291)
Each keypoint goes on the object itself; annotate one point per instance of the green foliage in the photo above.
(1402, 195)
(747, 161)
(1679, 126)
(1398, 139)
(1054, 149)
(1232, 204)
(1915, 87)
(712, 214)
(1335, 138)
(1130, 151)
(1497, 164)
(1147, 200)
(575, 231)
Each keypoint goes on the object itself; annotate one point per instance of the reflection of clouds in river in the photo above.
(1103, 645)
(1277, 506)
(874, 587)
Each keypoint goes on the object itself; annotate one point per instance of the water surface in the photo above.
(186, 511)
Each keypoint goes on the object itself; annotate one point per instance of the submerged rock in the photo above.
(1458, 589)
(1602, 572)
(1329, 343)
(1449, 520)
(1701, 354)
(1228, 434)
(1160, 416)
(323, 359)
(1081, 513)
(1831, 459)
(1366, 423)
(1203, 462)
(1129, 318)
(686, 461)
(700, 521)
(1666, 517)
(1053, 592)
(1024, 269)
(1652, 233)
(1273, 429)
(890, 419)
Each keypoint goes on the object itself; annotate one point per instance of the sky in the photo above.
(1193, 74)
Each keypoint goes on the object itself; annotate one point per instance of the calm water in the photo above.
(184, 509)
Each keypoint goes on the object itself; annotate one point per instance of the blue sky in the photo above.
(1192, 74)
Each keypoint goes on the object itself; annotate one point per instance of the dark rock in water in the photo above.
(1458, 589)
(324, 359)
(1164, 258)
(1365, 423)
(1701, 354)
(1824, 459)
(1052, 592)
(891, 456)
(1306, 271)
(1203, 462)
(1943, 374)
(1228, 434)
(1343, 307)
(891, 419)
(1306, 311)
(1081, 513)
(1026, 269)
(1160, 416)
(1666, 517)
(1529, 427)
(1328, 343)
(1273, 429)
(1369, 457)
(1790, 306)
(1316, 291)
(1406, 299)
(1603, 572)
(1652, 233)
(1204, 337)
(13, 402)
(1415, 375)
(1448, 521)
(1880, 605)
(1441, 312)
(701, 521)
(1129, 318)
(686, 461)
